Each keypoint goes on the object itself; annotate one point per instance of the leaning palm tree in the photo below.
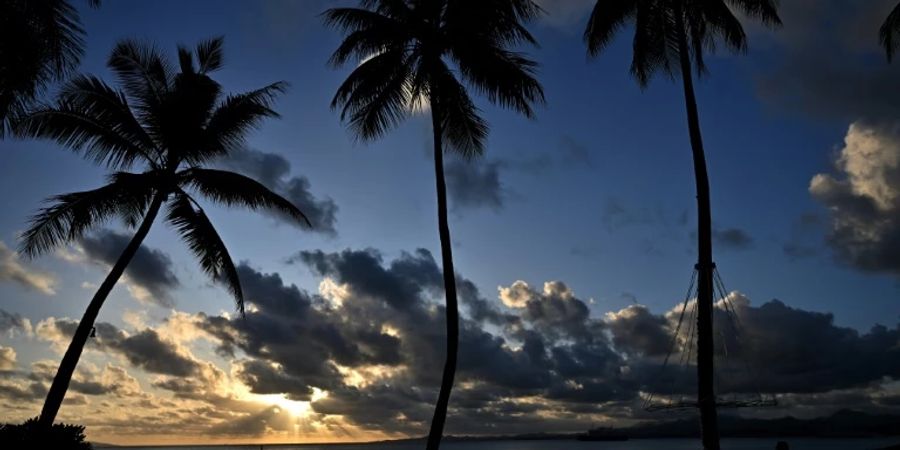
(416, 52)
(670, 36)
(40, 42)
(169, 124)
(889, 34)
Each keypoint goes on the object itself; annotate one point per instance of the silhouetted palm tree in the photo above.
(169, 124)
(670, 36)
(40, 42)
(416, 51)
(889, 33)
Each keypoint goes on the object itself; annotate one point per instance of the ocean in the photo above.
(634, 444)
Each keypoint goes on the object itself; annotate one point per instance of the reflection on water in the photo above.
(635, 444)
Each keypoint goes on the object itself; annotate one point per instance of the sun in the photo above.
(293, 407)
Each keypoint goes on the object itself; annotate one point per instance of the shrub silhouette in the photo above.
(29, 435)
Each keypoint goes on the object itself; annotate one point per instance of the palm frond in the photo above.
(607, 18)
(463, 128)
(497, 22)
(201, 237)
(654, 43)
(142, 70)
(40, 43)
(232, 189)
(211, 54)
(186, 60)
(109, 106)
(505, 77)
(233, 118)
(85, 127)
(765, 11)
(375, 96)
(70, 215)
(889, 34)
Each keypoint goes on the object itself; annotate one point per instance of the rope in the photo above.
(647, 403)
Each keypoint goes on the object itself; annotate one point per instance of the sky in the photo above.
(572, 238)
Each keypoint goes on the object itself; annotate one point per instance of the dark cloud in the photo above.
(274, 171)
(13, 323)
(828, 63)
(863, 199)
(732, 239)
(637, 331)
(805, 234)
(478, 183)
(373, 337)
(575, 154)
(474, 184)
(795, 251)
(615, 215)
(145, 349)
(150, 268)
(388, 315)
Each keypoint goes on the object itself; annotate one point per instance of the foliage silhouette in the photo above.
(670, 37)
(411, 53)
(29, 436)
(889, 34)
(40, 42)
(169, 124)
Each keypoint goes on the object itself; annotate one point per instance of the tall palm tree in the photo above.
(169, 124)
(40, 42)
(670, 36)
(889, 34)
(430, 51)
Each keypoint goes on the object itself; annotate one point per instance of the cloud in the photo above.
(479, 183)
(373, 340)
(637, 331)
(475, 184)
(11, 269)
(13, 324)
(732, 238)
(7, 358)
(863, 199)
(145, 349)
(566, 13)
(828, 62)
(574, 153)
(274, 171)
(150, 273)
(364, 355)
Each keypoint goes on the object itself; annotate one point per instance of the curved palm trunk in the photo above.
(452, 312)
(706, 397)
(73, 353)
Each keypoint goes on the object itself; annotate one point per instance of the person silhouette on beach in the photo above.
(782, 445)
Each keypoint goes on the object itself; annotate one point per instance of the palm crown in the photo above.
(704, 23)
(414, 49)
(168, 123)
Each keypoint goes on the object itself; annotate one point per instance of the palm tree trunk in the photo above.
(452, 312)
(706, 397)
(73, 353)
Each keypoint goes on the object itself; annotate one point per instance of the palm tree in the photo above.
(170, 124)
(889, 34)
(672, 35)
(40, 42)
(423, 51)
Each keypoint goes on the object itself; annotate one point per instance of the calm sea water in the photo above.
(635, 444)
